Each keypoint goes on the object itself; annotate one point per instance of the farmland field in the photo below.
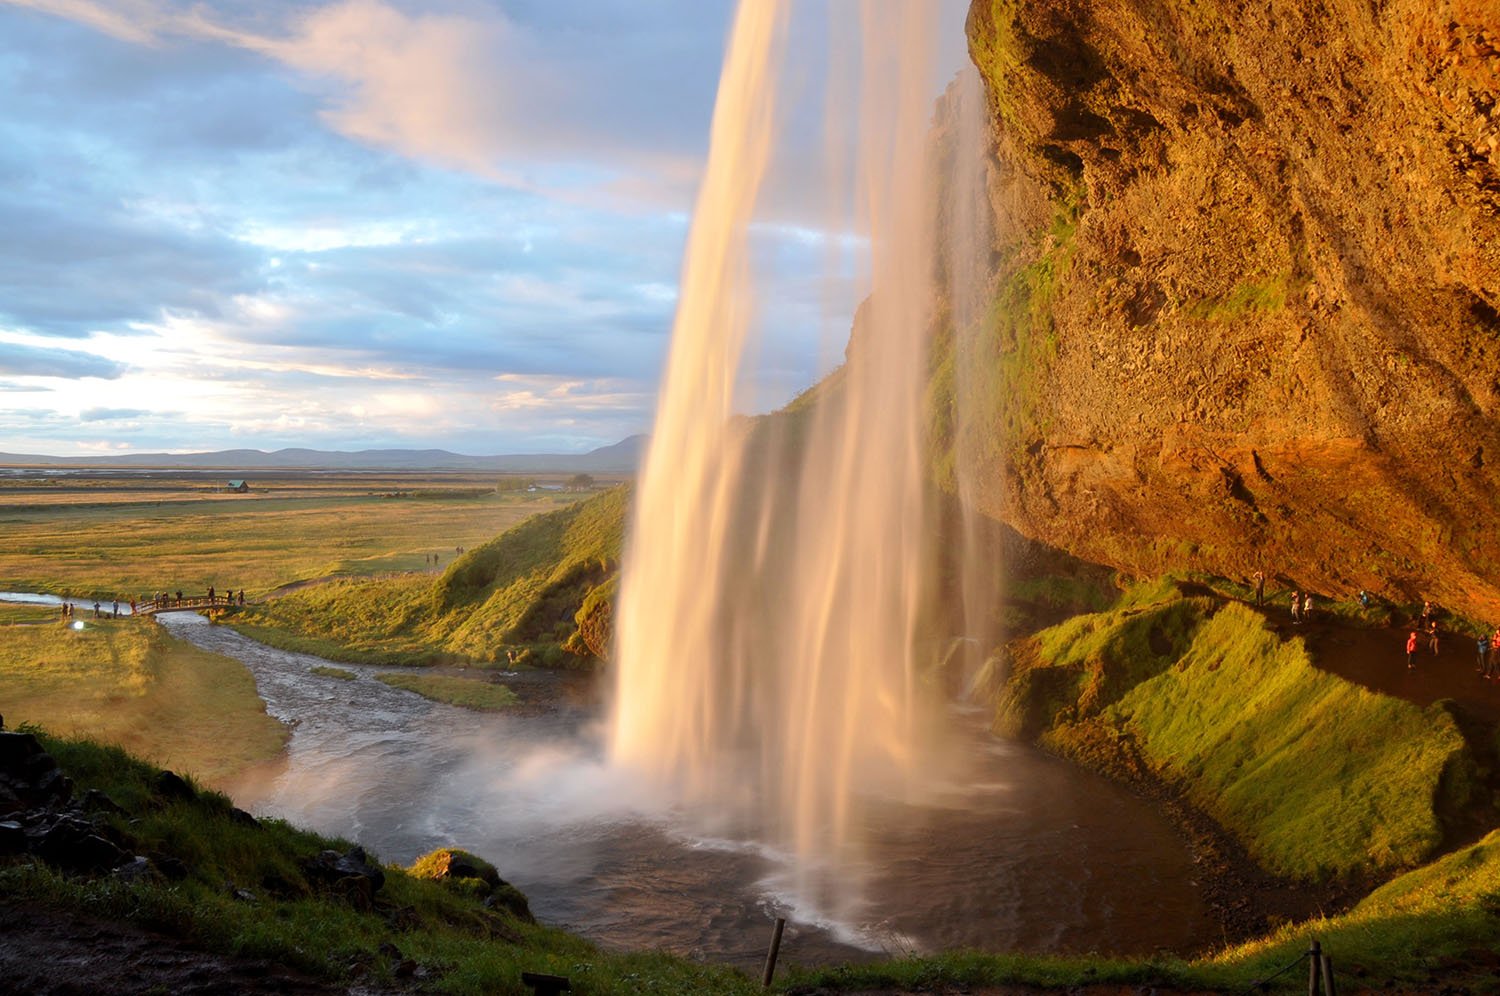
(114, 534)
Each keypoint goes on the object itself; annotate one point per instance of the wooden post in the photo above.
(546, 985)
(1314, 968)
(1328, 987)
(771, 955)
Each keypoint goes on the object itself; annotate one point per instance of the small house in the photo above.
(240, 487)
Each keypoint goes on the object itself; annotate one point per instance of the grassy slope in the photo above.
(1318, 776)
(471, 949)
(1424, 922)
(1314, 775)
(127, 682)
(518, 594)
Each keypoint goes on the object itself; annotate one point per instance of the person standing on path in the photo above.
(1483, 648)
(1432, 637)
(1411, 651)
(1296, 606)
(1260, 588)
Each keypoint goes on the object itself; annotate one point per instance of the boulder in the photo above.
(452, 864)
(172, 786)
(72, 843)
(351, 874)
(137, 869)
(16, 749)
(95, 800)
(29, 776)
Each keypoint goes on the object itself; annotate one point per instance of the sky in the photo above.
(352, 224)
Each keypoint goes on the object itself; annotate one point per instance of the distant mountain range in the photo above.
(619, 458)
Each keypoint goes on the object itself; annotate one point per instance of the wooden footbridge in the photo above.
(194, 603)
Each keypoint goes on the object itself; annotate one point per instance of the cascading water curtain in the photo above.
(767, 651)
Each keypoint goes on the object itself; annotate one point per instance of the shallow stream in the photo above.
(1019, 852)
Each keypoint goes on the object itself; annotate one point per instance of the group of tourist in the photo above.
(1423, 631)
(100, 612)
(1488, 648)
(1486, 645)
(1302, 601)
(174, 600)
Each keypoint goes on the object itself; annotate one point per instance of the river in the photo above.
(1017, 851)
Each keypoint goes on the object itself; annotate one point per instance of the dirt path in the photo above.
(1376, 659)
(50, 953)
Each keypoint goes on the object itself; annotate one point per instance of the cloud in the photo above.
(17, 359)
(71, 267)
(595, 96)
(112, 414)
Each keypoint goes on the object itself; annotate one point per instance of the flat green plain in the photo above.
(124, 538)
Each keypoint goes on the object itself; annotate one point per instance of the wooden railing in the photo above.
(151, 607)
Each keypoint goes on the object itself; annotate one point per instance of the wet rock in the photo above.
(50, 785)
(72, 843)
(137, 869)
(351, 875)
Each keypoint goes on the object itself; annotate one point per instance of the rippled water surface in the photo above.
(1017, 851)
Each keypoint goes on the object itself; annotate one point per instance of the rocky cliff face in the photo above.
(1246, 286)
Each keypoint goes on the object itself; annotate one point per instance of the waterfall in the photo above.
(769, 652)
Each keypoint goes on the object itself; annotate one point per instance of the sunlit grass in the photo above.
(126, 550)
(518, 596)
(125, 681)
(1317, 776)
(471, 693)
(11, 612)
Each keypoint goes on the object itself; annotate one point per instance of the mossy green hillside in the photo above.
(520, 598)
(292, 918)
(1326, 777)
(1316, 776)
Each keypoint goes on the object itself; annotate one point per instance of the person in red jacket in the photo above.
(1411, 650)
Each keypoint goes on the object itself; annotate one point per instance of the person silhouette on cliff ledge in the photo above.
(1411, 651)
